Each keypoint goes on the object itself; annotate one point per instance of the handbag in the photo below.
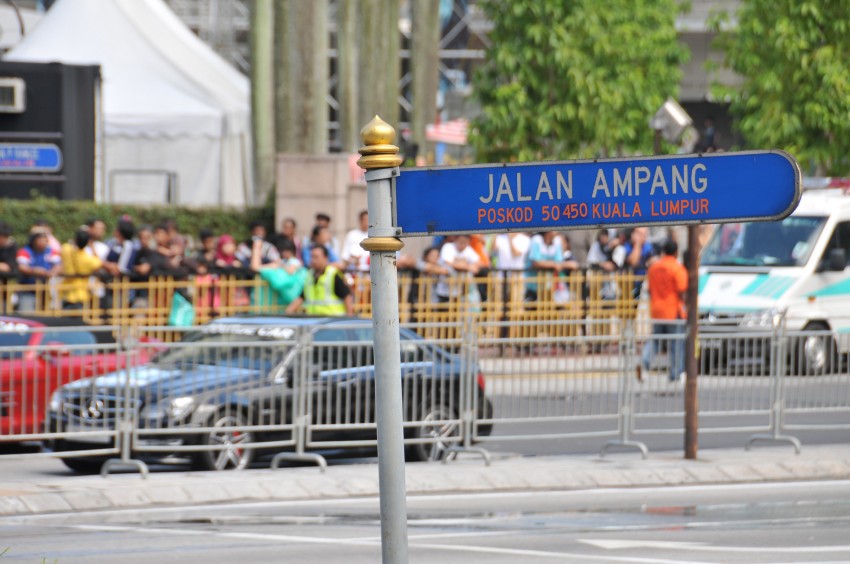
(182, 312)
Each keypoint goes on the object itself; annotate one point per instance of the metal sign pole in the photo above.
(691, 395)
(380, 159)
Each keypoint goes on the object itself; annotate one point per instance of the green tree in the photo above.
(574, 78)
(795, 59)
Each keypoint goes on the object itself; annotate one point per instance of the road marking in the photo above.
(615, 544)
(579, 557)
(230, 535)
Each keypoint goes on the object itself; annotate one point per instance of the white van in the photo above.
(753, 274)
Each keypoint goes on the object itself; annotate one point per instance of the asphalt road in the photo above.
(756, 523)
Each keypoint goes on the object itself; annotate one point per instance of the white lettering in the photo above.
(601, 184)
(543, 186)
(680, 179)
(623, 184)
(519, 195)
(641, 177)
(489, 197)
(565, 185)
(701, 183)
(658, 181)
(504, 188)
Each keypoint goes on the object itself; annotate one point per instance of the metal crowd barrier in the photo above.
(222, 395)
(552, 373)
(36, 361)
(807, 391)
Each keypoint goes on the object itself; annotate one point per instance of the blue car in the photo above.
(234, 382)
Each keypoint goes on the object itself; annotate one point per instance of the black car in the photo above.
(240, 382)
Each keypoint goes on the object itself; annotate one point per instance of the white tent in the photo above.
(10, 25)
(170, 105)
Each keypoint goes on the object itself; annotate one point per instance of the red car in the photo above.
(39, 354)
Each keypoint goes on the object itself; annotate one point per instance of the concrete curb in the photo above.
(468, 475)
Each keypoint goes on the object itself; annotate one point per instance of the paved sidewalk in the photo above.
(57, 494)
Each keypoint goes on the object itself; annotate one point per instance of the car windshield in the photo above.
(771, 243)
(8, 338)
(224, 349)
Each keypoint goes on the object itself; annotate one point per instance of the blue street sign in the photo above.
(661, 190)
(30, 157)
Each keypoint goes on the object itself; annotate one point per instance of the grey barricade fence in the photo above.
(340, 390)
(814, 393)
(736, 382)
(226, 394)
(542, 384)
(218, 395)
(35, 361)
(222, 396)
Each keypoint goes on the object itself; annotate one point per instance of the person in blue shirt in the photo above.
(640, 254)
(37, 262)
(321, 236)
(121, 257)
(545, 254)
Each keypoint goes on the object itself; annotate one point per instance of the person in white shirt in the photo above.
(511, 250)
(354, 256)
(458, 257)
(97, 231)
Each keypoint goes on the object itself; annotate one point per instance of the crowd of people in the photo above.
(557, 254)
(90, 258)
(305, 272)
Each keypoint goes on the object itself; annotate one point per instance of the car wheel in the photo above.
(229, 454)
(83, 465)
(813, 354)
(441, 428)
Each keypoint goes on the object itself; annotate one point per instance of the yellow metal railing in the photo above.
(438, 302)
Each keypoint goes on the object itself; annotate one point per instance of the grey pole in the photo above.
(380, 159)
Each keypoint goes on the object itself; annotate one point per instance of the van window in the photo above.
(771, 243)
(840, 239)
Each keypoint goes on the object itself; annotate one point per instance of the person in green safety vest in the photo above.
(325, 291)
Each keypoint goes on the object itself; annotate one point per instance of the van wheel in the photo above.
(230, 455)
(813, 354)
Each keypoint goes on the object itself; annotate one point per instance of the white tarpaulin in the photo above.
(10, 25)
(170, 104)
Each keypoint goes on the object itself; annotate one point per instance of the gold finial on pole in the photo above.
(378, 150)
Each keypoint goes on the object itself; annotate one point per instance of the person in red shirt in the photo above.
(668, 281)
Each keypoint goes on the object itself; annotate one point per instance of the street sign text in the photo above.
(663, 190)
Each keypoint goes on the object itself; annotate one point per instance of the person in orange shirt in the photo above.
(668, 281)
(479, 245)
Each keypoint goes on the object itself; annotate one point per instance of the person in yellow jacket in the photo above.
(77, 266)
(325, 291)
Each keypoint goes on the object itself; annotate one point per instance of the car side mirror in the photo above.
(836, 260)
(285, 376)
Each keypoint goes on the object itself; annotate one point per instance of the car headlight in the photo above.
(766, 318)
(173, 408)
(56, 401)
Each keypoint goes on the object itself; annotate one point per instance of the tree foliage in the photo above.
(795, 59)
(574, 78)
(66, 216)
